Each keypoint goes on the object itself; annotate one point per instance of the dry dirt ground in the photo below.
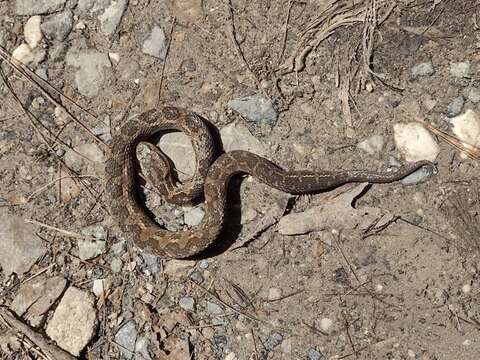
(409, 290)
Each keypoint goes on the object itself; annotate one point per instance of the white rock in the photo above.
(178, 147)
(155, 43)
(90, 248)
(467, 128)
(274, 294)
(23, 53)
(372, 145)
(178, 267)
(460, 69)
(231, 356)
(193, 216)
(325, 324)
(74, 322)
(100, 286)
(112, 15)
(466, 288)
(32, 32)
(414, 142)
(236, 136)
(114, 57)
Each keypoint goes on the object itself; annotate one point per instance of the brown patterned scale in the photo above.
(211, 177)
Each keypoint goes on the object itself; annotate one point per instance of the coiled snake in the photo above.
(211, 177)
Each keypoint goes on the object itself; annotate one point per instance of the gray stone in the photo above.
(89, 248)
(36, 7)
(372, 145)
(116, 265)
(417, 177)
(118, 248)
(273, 341)
(314, 354)
(194, 216)
(74, 322)
(152, 262)
(236, 136)
(112, 16)
(213, 308)
(141, 349)
(90, 75)
(461, 70)
(473, 95)
(155, 44)
(19, 246)
(187, 303)
(126, 337)
(423, 69)
(254, 108)
(197, 277)
(57, 27)
(456, 106)
(203, 264)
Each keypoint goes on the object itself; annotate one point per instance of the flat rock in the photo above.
(37, 7)
(193, 216)
(19, 246)
(236, 136)
(112, 16)
(90, 75)
(414, 142)
(178, 267)
(126, 337)
(32, 32)
(87, 155)
(461, 70)
(35, 297)
(57, 27)
(466, 128)
(178, 147)
(74, 322)
(24, 54)
(90, 248)
(254, 108)
(372, 145)
(423, 69)
(455, 107)
(155, 44)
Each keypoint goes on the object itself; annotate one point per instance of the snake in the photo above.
(211, 178)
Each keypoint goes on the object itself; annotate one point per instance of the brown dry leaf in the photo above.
(337, 212)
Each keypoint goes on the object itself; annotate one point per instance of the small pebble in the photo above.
(23, 53)
(231, 356)
(31, 30)
(203, 264)
(254, 108)
(460, 70)
(193, 216)
(467, 342)
(116, 265)
(325, 324)
(414, 142)
(411, 353)
(423, 69)
(187, 303)
(197, 277)
(466, 288)
(213, 308)
(456, 106)
(314, 354)
(58, 26)
(372, 145)
(273, 341)
(473, 95)
(467, 127)
(155, 44)
(274, 294)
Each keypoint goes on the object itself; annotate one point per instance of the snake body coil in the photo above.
(211, 177)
